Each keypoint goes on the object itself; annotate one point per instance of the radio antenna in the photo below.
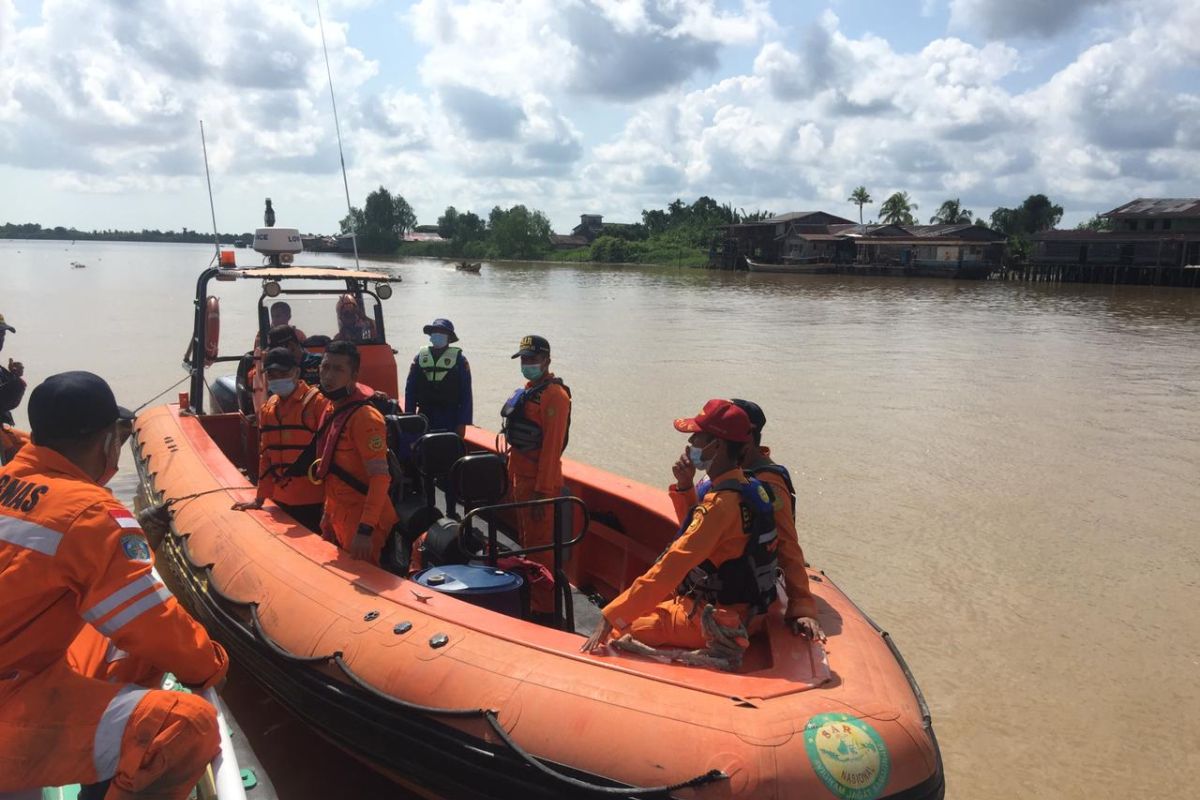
(338, 127)
(211, 206)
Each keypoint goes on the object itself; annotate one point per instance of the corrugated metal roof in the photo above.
(1158, 207)
(1108, 236)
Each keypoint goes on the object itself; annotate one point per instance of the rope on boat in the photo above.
(175, 500)
(187, 377)
(712, 776)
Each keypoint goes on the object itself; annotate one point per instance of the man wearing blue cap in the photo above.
(439, 381)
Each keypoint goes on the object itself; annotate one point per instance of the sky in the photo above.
(589, 106)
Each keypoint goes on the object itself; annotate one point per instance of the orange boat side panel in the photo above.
(615, 715)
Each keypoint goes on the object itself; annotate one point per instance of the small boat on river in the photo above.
(466, 266)
(445, 682)
(792, 268)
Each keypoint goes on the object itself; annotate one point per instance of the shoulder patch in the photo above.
(375, 443)
(136, 548)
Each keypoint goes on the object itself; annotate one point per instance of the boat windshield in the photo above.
(332, 315)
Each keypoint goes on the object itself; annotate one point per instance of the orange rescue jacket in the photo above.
(287, 426)
(800, 602)
(716, 534)
(72, 555)
(361, 452)
(551, 411)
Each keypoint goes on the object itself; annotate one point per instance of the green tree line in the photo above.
(31, 230)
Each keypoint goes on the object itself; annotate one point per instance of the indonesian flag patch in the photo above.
(124, 519)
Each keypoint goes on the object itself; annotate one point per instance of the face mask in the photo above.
(439, 339)
(531, 371)
(696, 456)
(336, 394)
(112, 459)
(281, 386)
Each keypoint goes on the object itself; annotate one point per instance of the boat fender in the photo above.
(212, 330)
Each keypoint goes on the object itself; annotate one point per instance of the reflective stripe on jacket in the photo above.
(70, 555)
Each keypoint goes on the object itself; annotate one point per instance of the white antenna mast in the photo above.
(337, 126)
(211, 206)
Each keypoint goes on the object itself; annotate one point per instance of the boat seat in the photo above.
(480, 479)
(434, 454)
(475, 480)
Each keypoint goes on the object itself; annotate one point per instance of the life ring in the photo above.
(212, 330)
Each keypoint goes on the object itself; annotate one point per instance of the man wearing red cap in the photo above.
(724, 557)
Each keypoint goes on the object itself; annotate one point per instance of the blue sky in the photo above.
(599, 106)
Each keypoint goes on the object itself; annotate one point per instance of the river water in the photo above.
(1005, 476)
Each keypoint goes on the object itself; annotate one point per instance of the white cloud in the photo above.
(832, 111)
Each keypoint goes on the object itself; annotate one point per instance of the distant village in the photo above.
(1146, 241)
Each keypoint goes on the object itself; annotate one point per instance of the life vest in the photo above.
(751, 577)
(519, 430)
(440, 384)
(781, 471)
(284, 442)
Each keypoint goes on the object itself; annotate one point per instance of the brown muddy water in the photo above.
(1005, 476)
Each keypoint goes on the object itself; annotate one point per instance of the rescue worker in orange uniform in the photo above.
(537, 421)
(84, 613)
(801, 611)
(724, 556)
(352, 459)
(287, 423)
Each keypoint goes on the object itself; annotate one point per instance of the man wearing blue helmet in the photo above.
(439, 381)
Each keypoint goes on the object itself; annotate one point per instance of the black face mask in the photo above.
(336, 394)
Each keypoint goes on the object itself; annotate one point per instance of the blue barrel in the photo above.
(480, 585)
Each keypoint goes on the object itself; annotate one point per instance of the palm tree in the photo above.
(951, 213)
(897, 210)
(860, 197)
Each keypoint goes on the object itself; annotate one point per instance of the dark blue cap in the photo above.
(72, 405)
(443, 325)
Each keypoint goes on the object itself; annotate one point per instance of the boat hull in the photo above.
(504, 707)
(791, 269)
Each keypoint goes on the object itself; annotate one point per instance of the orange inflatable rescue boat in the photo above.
(444, 683)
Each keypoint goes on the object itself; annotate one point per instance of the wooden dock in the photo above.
(1186, 276)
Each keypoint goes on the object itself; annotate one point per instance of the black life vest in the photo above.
(519, 430)
(439, 381)
(751, 577)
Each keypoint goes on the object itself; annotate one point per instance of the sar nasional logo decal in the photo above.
(848, 755)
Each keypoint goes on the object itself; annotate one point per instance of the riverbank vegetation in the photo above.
(680, 234)
(31, 230)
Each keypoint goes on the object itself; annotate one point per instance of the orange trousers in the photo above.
(672, 623)
(342, 515)
(64, 725)
(535, 531)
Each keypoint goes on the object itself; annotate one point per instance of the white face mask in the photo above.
(696, 456)
(281, 386)
(112, 458)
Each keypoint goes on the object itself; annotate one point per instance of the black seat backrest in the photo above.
(414, 425)
(436, 453)
(480, 479)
